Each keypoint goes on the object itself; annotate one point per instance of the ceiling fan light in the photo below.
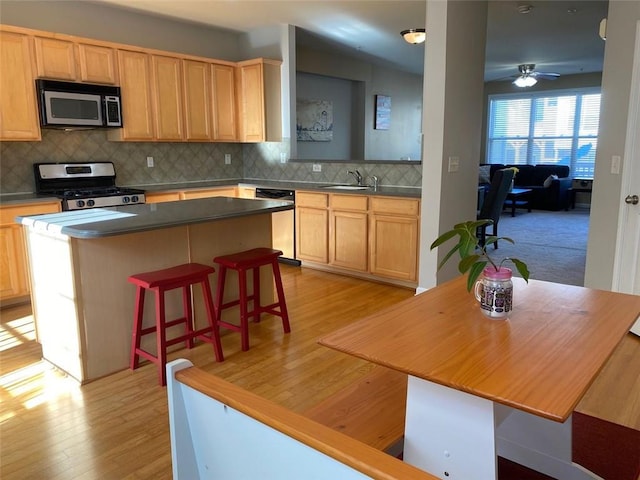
(525, 81)
(414, 35)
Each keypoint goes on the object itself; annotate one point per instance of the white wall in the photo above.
(453, 99)
(616, 87)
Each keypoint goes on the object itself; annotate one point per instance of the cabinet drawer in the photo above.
(8, 214)
(395, 206)
(216, 192)
(162, 197)
(357, 203)
(308, 199)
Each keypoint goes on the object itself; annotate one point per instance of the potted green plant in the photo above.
(474, 257)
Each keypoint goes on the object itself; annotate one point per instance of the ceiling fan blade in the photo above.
(545, 75)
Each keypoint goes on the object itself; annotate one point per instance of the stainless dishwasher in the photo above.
(283, 224)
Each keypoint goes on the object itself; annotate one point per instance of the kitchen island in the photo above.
(80, 262)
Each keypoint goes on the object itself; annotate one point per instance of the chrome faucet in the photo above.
(375, 179)
(356, 174)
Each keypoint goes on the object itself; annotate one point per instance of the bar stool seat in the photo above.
(242, 262)
(161, 281)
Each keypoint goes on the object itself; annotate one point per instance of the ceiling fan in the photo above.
(529, 77)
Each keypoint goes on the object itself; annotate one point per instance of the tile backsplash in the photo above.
(181, 162)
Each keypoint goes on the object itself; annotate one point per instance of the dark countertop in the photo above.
(105, 222)
(410, 192)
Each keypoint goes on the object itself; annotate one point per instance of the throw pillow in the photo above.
(485, 174)
(549, 179)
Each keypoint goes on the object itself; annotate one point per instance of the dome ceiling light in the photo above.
(414, 35)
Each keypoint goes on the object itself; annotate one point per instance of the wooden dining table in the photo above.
(481, 387)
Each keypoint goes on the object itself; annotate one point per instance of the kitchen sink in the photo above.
(347, 187)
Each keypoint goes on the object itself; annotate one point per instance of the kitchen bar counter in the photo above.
(80, 261)
(104, 222)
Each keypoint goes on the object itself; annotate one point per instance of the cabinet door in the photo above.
(14, 266)
(224, 103)
(137, 108)
(167, 93)
(394, 246)
(18, 111)
(312, 234)
(348, 240)
(97, 64)
(246, 192)
(55, 59)
(13, 275)
(252, 103)
(197, 100)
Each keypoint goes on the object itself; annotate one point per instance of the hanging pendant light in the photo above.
(414, 35)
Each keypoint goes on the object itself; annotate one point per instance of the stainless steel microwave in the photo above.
(84, 105)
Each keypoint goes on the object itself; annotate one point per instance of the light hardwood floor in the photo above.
(117, 427)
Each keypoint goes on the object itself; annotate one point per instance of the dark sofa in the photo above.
(554, 196)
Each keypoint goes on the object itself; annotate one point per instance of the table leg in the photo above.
(513, 207)
(455, 435)
(448, 433)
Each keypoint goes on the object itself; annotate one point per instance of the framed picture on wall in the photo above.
(383, 112)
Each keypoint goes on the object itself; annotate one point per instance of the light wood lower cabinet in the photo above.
(348, 231)
(159, 197)
(210, 192)
(395, 226)
(312, 227)
(372, 235)
(14, 266)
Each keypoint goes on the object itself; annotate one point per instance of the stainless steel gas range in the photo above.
(84, 185)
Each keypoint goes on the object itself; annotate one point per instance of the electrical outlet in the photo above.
(317, 167)
(283, 157)
(149, 162)
(227, 159)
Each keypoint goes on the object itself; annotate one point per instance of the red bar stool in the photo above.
(161, 281)
(241, 262)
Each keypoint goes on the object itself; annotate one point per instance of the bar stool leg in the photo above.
(161, 336)
(222, 276)
(188, 315)
(244, 318)
(212, 318)
(137, 328)
(280, 290)
(256, 294)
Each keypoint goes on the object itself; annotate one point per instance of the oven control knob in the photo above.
(135, 199)
(125, 199)
(80, 203)
(90, 203)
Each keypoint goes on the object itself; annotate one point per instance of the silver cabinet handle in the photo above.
(631, 199)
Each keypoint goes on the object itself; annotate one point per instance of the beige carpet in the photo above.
(552, 244)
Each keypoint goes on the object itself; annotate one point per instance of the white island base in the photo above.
(83, 304)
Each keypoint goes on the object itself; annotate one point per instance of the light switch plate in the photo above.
(149, 162)
(317, 167)
(615, 164)
(227, 159)
(454, 164)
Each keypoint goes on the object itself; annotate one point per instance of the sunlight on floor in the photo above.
(26, 385)
(16, 332)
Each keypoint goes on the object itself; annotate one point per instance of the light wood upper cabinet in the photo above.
(395, 226)
(167, 96)
(75, 62)
(224, 103)
(259, 103)
(97, 64)
(18, 110)
(197, 100)
(55, 59)
(14, 266)
(136, 100)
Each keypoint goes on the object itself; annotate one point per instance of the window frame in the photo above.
(530, 139)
